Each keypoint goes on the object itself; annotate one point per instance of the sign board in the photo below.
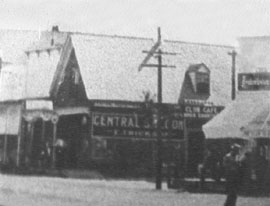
(39, 105)
(135, 121)
(134, 125)
(201, 111)
(254, 81)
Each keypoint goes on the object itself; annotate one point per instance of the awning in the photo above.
(231, 122)
(72, 110)
(259, 127)
(10, 118)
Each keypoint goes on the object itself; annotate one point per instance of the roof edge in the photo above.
(108, 35)
(199, 43)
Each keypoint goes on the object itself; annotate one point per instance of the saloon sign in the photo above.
(253, 81)
(134, 125)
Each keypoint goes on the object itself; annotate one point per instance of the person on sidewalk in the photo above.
(232, 174)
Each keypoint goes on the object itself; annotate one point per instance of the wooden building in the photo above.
(86, 89)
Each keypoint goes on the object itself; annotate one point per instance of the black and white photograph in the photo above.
(134, 102)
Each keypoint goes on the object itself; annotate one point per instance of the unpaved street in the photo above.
(43, 191)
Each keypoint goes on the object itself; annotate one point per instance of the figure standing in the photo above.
(232, 174)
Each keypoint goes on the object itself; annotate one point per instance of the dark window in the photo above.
(203, 88)
(202, 83)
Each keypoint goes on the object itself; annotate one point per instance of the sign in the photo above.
(39, 105)
(201, 112)
(254, 81)
(134, 125)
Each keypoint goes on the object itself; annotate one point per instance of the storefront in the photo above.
(124, 135)
(247, 119)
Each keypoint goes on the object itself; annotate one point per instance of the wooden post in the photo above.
(233, 54)
(43, 130)
(5, 148)
(19, 142)
(159, 66)
(5, 139)
(30, 131)
(186, 146)
(53, 146)
(159, 138)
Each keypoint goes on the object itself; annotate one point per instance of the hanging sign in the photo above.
(254, 81)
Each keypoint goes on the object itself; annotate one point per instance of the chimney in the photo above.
(55, 29)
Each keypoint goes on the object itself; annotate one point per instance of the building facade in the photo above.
(86, 90)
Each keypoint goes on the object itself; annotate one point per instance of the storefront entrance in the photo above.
(74, 131)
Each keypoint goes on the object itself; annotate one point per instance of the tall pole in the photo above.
(154, 50)
(159, 141)
(233, 54)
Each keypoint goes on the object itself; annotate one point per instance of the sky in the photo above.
(206, 21)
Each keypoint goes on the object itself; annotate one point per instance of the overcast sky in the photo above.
(209, 21)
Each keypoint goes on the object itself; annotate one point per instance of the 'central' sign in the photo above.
(134, 125)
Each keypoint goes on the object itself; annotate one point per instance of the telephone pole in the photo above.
(155, 50)
(233, 55)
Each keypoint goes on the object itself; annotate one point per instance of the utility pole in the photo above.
(159, 66)
(233, 55)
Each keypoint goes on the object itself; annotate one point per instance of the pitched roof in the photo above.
(12, 82)
(13, 43)
(215, 57)
(43, 58)
(109, 67)
(237, 115)
(32, 78)
(109, 64)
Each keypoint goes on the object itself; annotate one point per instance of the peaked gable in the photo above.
(70, 89)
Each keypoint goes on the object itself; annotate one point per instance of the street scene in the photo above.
(134, 102)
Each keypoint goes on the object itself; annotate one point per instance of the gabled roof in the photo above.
(196, 67)
(12, 82)
(13, 43)
(215, 57)
(109, 67)
(32, 78)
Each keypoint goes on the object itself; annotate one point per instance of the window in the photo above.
(199, 75)
(202, 83)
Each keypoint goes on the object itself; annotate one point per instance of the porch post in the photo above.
(54, 141)
(30, 133)
(5, 148)
(5, 140)
(43, 129)
(19, 142)
(186, 146)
